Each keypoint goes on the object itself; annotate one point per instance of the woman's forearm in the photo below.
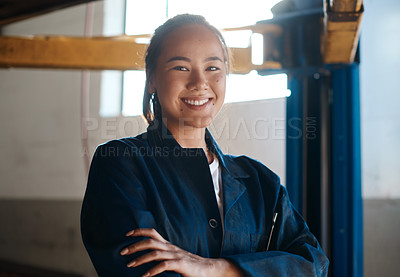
(227, 268)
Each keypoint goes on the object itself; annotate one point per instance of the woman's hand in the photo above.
(173, 258)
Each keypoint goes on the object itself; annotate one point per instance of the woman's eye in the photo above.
(212, 68)
(180, 68)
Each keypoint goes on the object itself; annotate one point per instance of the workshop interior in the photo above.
(322, 112)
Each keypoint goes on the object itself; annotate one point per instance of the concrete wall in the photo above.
(381, 237)
(380, 125)
(41, 165)
(380, 113)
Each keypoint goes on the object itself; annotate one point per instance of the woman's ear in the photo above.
(151, 88)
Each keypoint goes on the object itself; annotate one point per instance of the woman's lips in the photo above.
(196, 102)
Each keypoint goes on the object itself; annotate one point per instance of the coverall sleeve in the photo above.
(294, 251)
(115, 203)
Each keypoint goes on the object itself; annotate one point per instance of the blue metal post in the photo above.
(347, 222)
(294, 142)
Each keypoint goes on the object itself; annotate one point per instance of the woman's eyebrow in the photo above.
(180, 58)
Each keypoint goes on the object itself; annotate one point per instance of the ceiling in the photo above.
(16, 10)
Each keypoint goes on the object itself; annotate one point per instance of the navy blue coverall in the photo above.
(149, 181)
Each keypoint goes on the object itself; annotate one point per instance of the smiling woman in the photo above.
(169, 202)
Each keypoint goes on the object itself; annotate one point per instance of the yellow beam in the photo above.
(71, 52)
(342, 31)
(345, 5)
(241, 62)
(115, 53)
(342, 42)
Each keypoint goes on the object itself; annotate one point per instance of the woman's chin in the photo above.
(198, 122)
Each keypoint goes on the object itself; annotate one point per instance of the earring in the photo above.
(154, 97)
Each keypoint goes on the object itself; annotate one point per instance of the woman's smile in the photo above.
(197, 104)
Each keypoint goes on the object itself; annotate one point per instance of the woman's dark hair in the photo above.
(154, 51)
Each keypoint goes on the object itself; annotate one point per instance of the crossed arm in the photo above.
(173, 258)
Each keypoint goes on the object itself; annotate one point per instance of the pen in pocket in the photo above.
(272, 230)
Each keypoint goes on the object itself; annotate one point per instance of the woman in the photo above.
(169, 202)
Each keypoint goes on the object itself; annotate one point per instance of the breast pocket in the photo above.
(258, 242)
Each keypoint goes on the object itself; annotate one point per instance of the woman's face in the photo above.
(190, 77)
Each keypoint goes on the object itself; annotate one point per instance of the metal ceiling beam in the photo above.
(71, 52)
(12, 11)
(342, 31)
(113, 53)
(345, 5)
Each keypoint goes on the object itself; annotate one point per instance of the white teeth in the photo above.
(196, 102)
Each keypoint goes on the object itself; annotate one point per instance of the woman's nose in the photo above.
(198, 81)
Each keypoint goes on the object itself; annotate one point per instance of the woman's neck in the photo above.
(188, 136)
(191, 137)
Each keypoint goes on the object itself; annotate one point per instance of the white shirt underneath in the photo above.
(215, 170)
